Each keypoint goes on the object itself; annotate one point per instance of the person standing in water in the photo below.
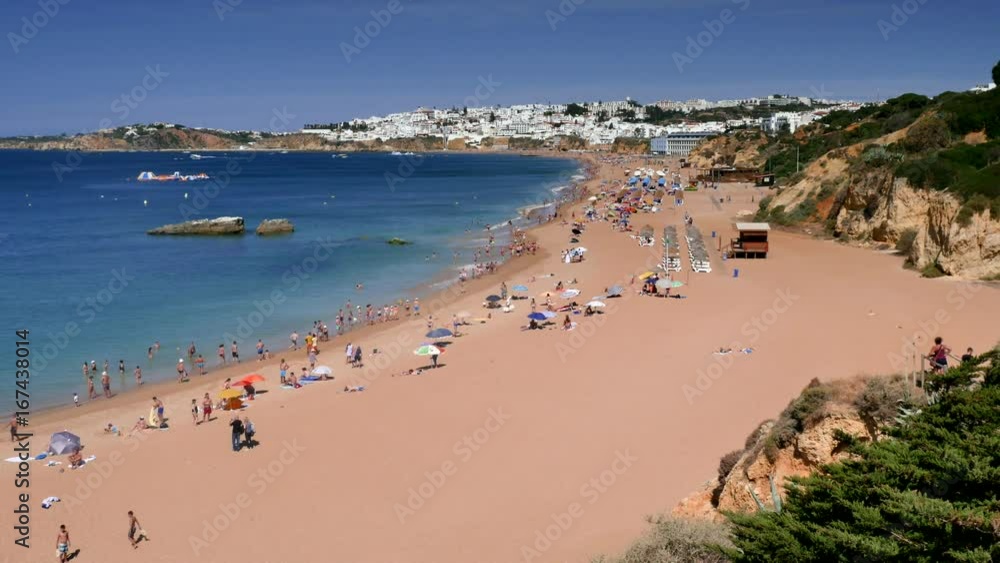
(106, 384)
(138, 375)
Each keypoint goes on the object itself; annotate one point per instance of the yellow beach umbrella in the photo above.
(647, 275)
(230, 394)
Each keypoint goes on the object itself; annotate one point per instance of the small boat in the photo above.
(396, 153)
(148, 176)
(196, 157)
(283, 152)
(408, 153)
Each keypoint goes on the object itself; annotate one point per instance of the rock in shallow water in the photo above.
(275, 227)
(217, 226)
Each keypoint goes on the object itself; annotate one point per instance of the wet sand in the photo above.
(574, 435)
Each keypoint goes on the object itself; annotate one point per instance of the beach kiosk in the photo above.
(751, 242)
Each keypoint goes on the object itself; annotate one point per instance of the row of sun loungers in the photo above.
(697, 251)
(671, 250)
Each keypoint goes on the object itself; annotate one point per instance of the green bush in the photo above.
(677, 540)
(881, 398)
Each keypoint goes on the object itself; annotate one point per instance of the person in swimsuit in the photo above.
(222, 354)
(135, 531)
(235, 351)
(138, 375)
(206, 408)
(194, 411)
(62, 544)
(13, 429)
(283, 370)
(939, 355)
(159, 409)
(106, 384)
(200, 362)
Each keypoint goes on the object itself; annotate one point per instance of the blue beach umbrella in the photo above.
(548, 315)
(615, 290)
(520, 287)
(537, 317)
(439, 333)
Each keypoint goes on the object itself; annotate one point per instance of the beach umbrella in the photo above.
(615, 290)
(439, 333)
(240, 383)
(323, 370)
(663, 283)
(676, 283)
(427, 350)
(494, 298)
(549, 315)
(537, 316)
(647, 275)
(253, 378)
(595, 304)
(570, 293)
(64, 442)
(230, 394)
(520, 287)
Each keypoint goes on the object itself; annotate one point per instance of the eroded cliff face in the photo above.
(814, 447)
(873, 206)
(741, 150)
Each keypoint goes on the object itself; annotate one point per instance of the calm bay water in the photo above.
(78, 270)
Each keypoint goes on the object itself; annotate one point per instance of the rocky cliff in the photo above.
(807, 435)
(743, 149)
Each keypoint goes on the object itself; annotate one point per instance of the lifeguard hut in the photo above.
(751, 242)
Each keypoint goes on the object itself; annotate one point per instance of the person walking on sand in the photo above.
(106, 384)
(248, 431)
(13, 429)
(158, 405)
(222, 354)
(135, 531)
(237, 426)
(62, 544)
(349, 353)
(357, 357)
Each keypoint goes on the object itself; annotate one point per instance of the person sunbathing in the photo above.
(354, 389)
(140, 425)
(567, 324)
(589, 311)
(75, 460)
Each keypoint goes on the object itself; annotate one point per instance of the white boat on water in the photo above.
(408, 153)
(284, 152)
(196, 157)
(396, 153)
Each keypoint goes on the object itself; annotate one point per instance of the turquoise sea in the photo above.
(78, 271)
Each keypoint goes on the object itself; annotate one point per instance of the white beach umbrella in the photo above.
(595, 304)
(322, 370)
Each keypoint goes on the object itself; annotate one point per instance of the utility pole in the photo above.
(796, 158)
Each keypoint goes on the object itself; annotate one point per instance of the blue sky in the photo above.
(266, 55)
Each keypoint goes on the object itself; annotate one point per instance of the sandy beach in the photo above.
(546, 445)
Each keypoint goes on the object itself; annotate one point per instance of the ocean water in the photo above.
(78, 271)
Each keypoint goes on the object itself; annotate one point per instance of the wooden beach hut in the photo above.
(751, 241)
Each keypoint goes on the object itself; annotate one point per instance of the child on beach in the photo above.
(206, 408)
(62, 544)
(76, 399)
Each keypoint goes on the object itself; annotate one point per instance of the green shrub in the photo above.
(881, 398)
(677, 540)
